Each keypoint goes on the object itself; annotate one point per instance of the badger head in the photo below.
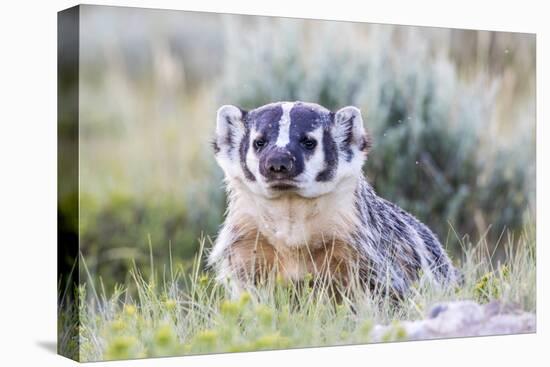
(290, 148)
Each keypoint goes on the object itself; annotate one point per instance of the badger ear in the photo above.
(230, 127)
(349, 131)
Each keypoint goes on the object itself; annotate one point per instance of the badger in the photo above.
(299, 205)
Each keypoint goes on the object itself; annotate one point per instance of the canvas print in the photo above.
(233, 183)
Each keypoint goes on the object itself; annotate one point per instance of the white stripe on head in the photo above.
(284, 125)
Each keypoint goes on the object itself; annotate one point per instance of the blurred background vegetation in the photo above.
(451, 113)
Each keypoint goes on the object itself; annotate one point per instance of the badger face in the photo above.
(290, 148)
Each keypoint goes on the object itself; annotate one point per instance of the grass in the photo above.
(178, 311)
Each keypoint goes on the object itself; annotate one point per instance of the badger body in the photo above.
(299, 204)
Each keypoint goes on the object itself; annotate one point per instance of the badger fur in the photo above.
(299, 204)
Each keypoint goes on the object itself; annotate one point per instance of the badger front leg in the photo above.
(241, 259)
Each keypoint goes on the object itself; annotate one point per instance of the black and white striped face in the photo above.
(290, 147)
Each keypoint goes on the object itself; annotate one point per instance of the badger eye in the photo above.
(259, 143)
(308, 143)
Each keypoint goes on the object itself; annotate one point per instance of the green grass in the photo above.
(178, 311)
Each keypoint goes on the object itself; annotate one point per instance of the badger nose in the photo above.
(279, 166)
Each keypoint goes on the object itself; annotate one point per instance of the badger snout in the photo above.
(278, 165)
